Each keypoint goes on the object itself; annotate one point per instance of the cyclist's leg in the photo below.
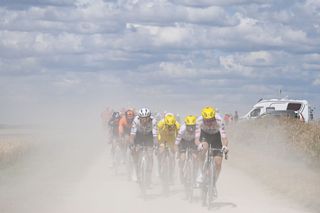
(135, 157)
(172, 163)
(216, 143)
(218, 162)
(159, 157)
(149, 143)
(182, 157)
(201, 161)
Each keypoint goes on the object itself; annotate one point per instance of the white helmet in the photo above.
(144, 112)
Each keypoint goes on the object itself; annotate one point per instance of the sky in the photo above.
(79, 56)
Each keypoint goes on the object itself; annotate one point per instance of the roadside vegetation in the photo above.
(283, 154)
(13, 147)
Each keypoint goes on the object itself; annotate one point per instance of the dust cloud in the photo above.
(67, 142)
(69, 170)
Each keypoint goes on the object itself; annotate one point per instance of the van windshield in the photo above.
(255, 112)
(294, 106)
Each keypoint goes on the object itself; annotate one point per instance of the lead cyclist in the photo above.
(210, 130)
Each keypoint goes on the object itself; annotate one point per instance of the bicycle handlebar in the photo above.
(221, 150)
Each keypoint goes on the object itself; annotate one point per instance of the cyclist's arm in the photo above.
(155, 131)
(160, 131)
(121, 127)
(179, 136)
(110, 122)
(197, 137)
(133, 131)
(224, 139)
(225, 142)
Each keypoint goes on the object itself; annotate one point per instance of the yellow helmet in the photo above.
(169, 119)
(208, 112)
(190, 120)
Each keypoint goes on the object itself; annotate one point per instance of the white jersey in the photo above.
(217, 126)
(184, 135)
(149, 127)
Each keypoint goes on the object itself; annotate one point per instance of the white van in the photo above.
(301, 107)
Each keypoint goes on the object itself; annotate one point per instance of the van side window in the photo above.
(270, 109)
(255, 112)
(294, 106)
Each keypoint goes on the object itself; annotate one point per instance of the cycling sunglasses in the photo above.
(191, 127)
(170, 127)
(209, 121)
(146, 119)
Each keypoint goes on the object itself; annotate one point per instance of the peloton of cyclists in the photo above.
(196, 133)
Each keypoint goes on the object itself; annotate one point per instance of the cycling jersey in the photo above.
(167, 135)
(114, 125)
(211, 133)
(215, 127)
(144, 129)
(185, 135)
(124, 126)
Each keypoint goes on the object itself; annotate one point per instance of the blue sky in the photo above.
(174, 55)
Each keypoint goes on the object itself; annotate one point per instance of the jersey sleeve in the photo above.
(180, 134)
(160, 125)
(198, 129)
(222, 128)
(122, 123)
(134, 126)
(155, 130)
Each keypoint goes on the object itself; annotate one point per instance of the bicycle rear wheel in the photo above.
(165, 172)
(189, 179)
(211, 184)
(142, 176)
(116, 159)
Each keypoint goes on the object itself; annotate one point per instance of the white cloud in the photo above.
(316, 81)
(231, 64)
(161, 45)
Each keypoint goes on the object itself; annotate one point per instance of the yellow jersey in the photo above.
(167, 135)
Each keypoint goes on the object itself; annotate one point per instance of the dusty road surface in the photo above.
(72, 173)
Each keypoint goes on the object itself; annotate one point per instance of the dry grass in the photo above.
(305, 137)
(12, 147)
(283, 154)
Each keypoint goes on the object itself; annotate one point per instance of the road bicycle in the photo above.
(209, 190)
(189, 173)
(167, 165)
(144, 167)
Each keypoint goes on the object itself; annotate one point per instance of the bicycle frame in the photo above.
(166, 167)
(209, 187)
(188, 173)
(142, 167)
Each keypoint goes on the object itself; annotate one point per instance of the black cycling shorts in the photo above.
(143, 139)
(184, 144)
(212, 139)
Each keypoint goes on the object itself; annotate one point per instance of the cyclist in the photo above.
(125, 125)
(168, 129)
(185, 139)
(143, 132)
(113, 124)
(211, 130)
